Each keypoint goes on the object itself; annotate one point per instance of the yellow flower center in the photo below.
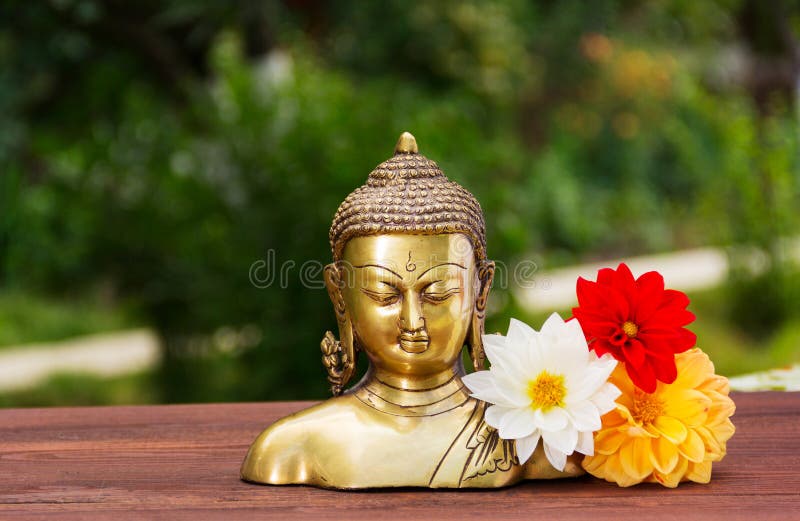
(646, 408)
(547, 391)
(630, 329)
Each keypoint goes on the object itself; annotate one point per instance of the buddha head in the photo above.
(410, 277)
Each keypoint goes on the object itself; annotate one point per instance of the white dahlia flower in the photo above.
(545, 385)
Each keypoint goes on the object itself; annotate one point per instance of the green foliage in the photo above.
(25, 318)
(84, 389)
(152, 152)
(762, 303)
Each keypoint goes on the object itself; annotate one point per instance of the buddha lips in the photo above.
(413, 342)
(638, 322)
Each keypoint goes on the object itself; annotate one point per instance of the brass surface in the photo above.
(409, 299)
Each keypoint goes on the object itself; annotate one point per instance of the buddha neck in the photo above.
(401, 395)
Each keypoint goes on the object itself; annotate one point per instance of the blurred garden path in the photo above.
(785, 379)
(106, 355)
(688, 270)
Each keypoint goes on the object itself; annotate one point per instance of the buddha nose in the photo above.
(411, 313)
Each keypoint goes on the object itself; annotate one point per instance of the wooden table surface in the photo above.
(182, 462)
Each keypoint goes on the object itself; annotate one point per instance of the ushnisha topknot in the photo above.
(408, 193)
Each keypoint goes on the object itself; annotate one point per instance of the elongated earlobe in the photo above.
(485, 277)
(338, 356)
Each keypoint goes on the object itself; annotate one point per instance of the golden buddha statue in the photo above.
(409, 285)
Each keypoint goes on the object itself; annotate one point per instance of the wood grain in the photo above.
(182, 462)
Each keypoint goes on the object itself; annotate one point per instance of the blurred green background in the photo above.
(151, 152)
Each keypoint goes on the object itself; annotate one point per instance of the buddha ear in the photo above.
(485, 277)
(338, 356)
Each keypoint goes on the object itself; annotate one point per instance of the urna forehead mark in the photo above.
(393, 258)
(410, 266)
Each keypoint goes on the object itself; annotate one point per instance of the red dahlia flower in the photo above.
(638, 321)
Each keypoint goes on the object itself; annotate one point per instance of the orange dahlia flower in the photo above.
(669, 436)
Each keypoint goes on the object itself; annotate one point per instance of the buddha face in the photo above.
(410, 299)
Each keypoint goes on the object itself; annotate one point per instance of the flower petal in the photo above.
(650, 289)
(606, 276)
(722, 408)
(614, 472)
(644, 378)
(526, 446)
(517, 423)
(699, 472)
(619, 416)
(573, 333)
(634, 353)
(594, 464)
(635, 458)
(694, 368)
(714, 451)
(495, 340)
(674, 298)
(592, 295)
(664, 455)
(692, 447)
(556, 458)
(665, 370)
(513, 391)
(608, 441)
(672, 479)
(585, 443)
(505, 363)
(553, 326)
(482, 386)
(605, 398)
(670, 428)
(494, 415)
(564, 441)
(520, 333)
(657, 343)
(553, 420)
(626, 285)
(686, 340)
(723, 432)
(523, 345)
(690, 406)
(584, 416)
(582, 385)
(593, 324)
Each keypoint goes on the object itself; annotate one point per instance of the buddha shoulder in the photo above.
(289, 450)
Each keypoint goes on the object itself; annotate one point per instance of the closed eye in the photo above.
(438, 297)
(381, 297)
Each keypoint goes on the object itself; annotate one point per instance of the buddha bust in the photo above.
(409, 285)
